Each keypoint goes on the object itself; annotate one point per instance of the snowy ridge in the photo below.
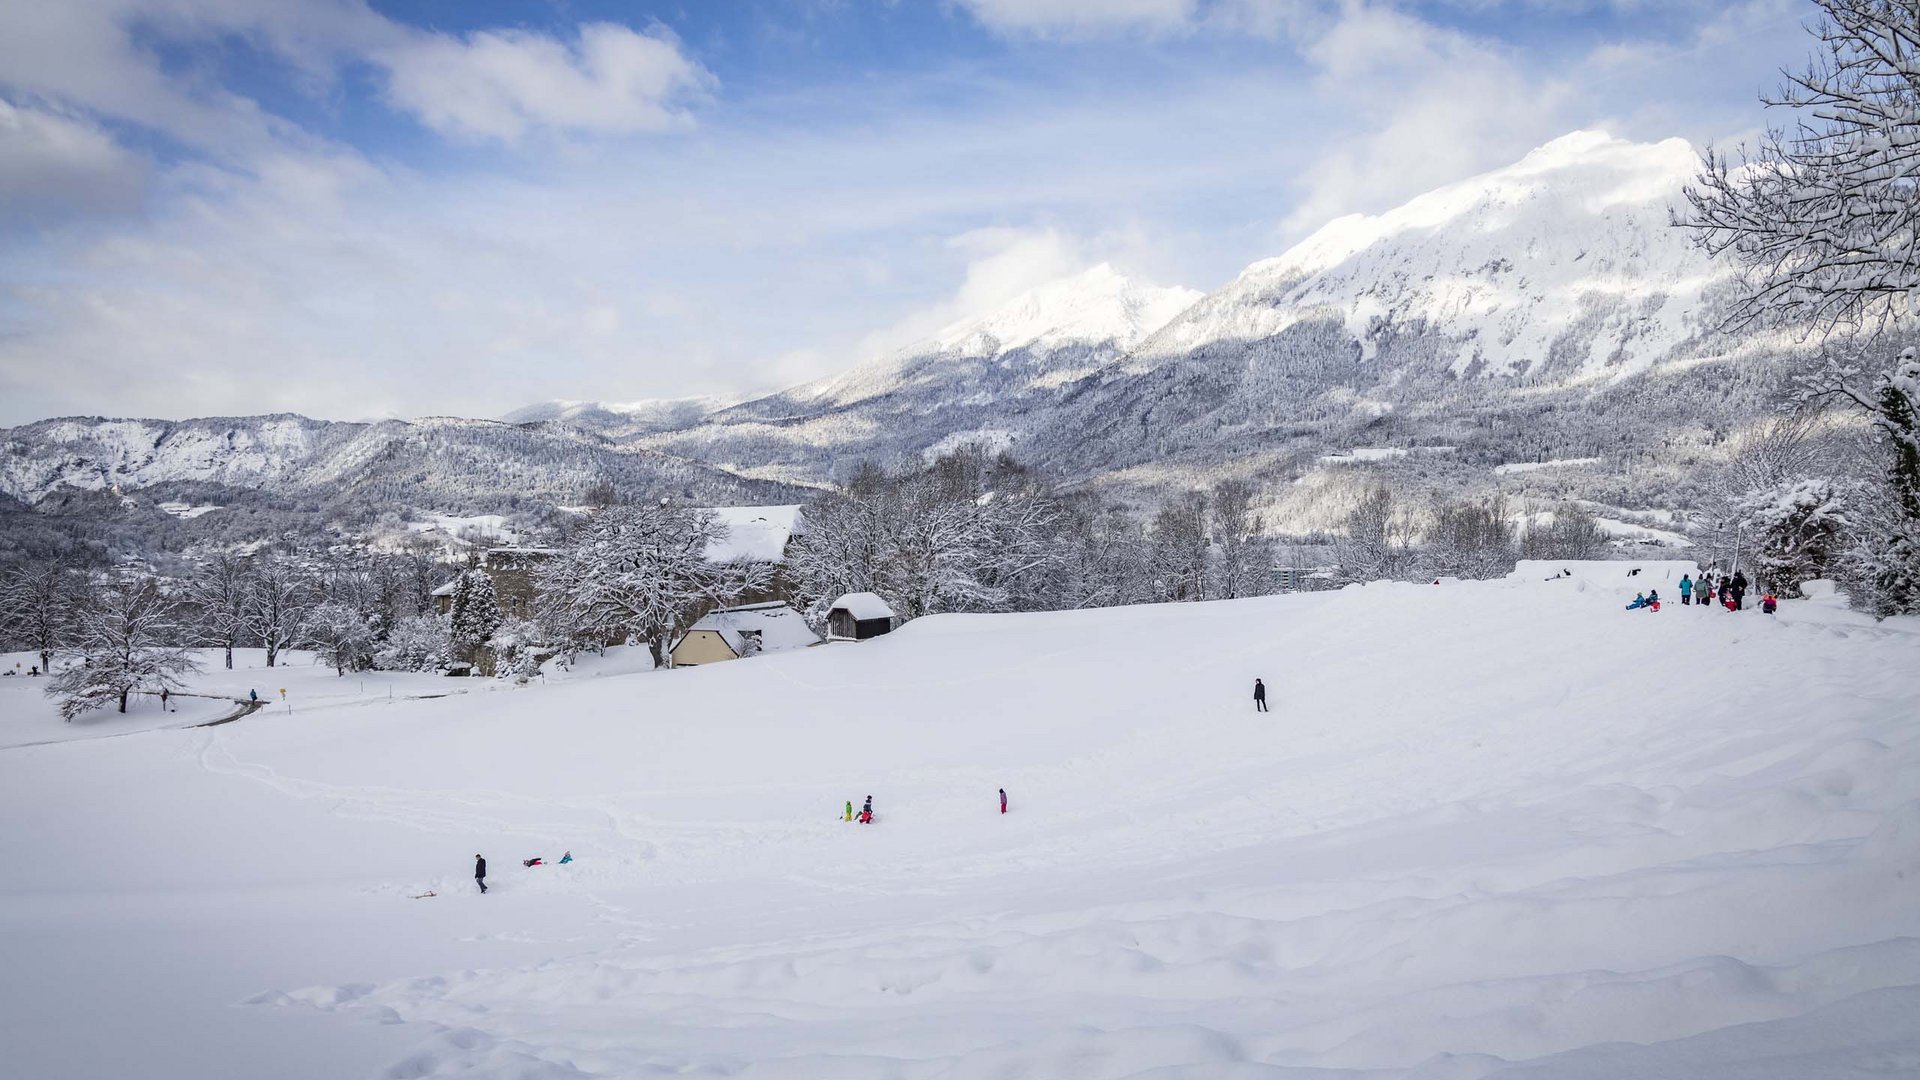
(442, 462)
(1100, 311)
(1568, 251)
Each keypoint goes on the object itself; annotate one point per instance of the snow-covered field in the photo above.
(1490, 829)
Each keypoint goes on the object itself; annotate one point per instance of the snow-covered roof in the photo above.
(447, 589)
(754, 533)
(780, 626)
(863, 606)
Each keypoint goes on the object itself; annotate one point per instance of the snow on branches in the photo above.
(1825, 216)
(639, 571)
(124, 648)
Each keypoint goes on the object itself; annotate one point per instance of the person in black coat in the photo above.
(480, 873)
(1739, 590)
(1259, 696)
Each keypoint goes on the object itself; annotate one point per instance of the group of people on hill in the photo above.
(1727, 590)
(865, 817)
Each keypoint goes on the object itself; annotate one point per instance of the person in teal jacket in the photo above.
(1686, 590)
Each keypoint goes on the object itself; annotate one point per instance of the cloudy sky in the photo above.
(353, 210)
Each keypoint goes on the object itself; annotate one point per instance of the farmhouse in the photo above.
(858, 616)
(748, 630)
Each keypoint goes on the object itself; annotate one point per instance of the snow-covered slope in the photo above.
(1492, 830)
(1563, 262)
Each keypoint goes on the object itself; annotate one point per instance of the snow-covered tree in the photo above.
(476, 615)
(1798, 531)
(41, 604)
(1180, 547)
(1377, 544)
(1824, 218)
(969, 531)
(639, 571)
(126, 646)
(1570, 533)
(279, 598)
(1246, 557)
(220, 590)
(342, 634)
(519, 645)
(416, 643)
(1470, 540)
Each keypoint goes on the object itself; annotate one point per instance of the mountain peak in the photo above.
(1502, 264)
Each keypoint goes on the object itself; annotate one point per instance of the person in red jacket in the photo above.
(1003, 800)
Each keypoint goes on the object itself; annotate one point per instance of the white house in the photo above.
(736, 632)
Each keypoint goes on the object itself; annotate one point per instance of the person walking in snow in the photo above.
(1259, 696)
(1003, 800)
(1739, 590)
(1686, 589)
(480, 873)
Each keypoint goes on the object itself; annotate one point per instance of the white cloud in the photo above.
(500, 84)
(52, 165)
(1078, 18)
(1000, 264)
(1424, 106)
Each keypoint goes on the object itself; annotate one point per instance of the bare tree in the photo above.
(1180, 547)
(1378, 545)
(41, 605)
(1570, 534)
(1471, 540)
(278, 601)
(1824, 216)
(126, 645)
(220, 590)
(1246, 557)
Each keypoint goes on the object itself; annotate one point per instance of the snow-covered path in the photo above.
(1490, 829)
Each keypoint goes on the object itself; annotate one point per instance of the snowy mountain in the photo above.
(1541, 311)
(1562, 265)
(964, 379)
(439, 462)
(1523, 314)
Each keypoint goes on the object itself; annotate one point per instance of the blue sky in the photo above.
(214, 207)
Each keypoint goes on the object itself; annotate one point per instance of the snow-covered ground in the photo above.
(1489, 829)
(28, 716)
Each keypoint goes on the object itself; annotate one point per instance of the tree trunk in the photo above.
(229, 656)
(657, 646)
(273, 650)
(123, 701)
(46, 661)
